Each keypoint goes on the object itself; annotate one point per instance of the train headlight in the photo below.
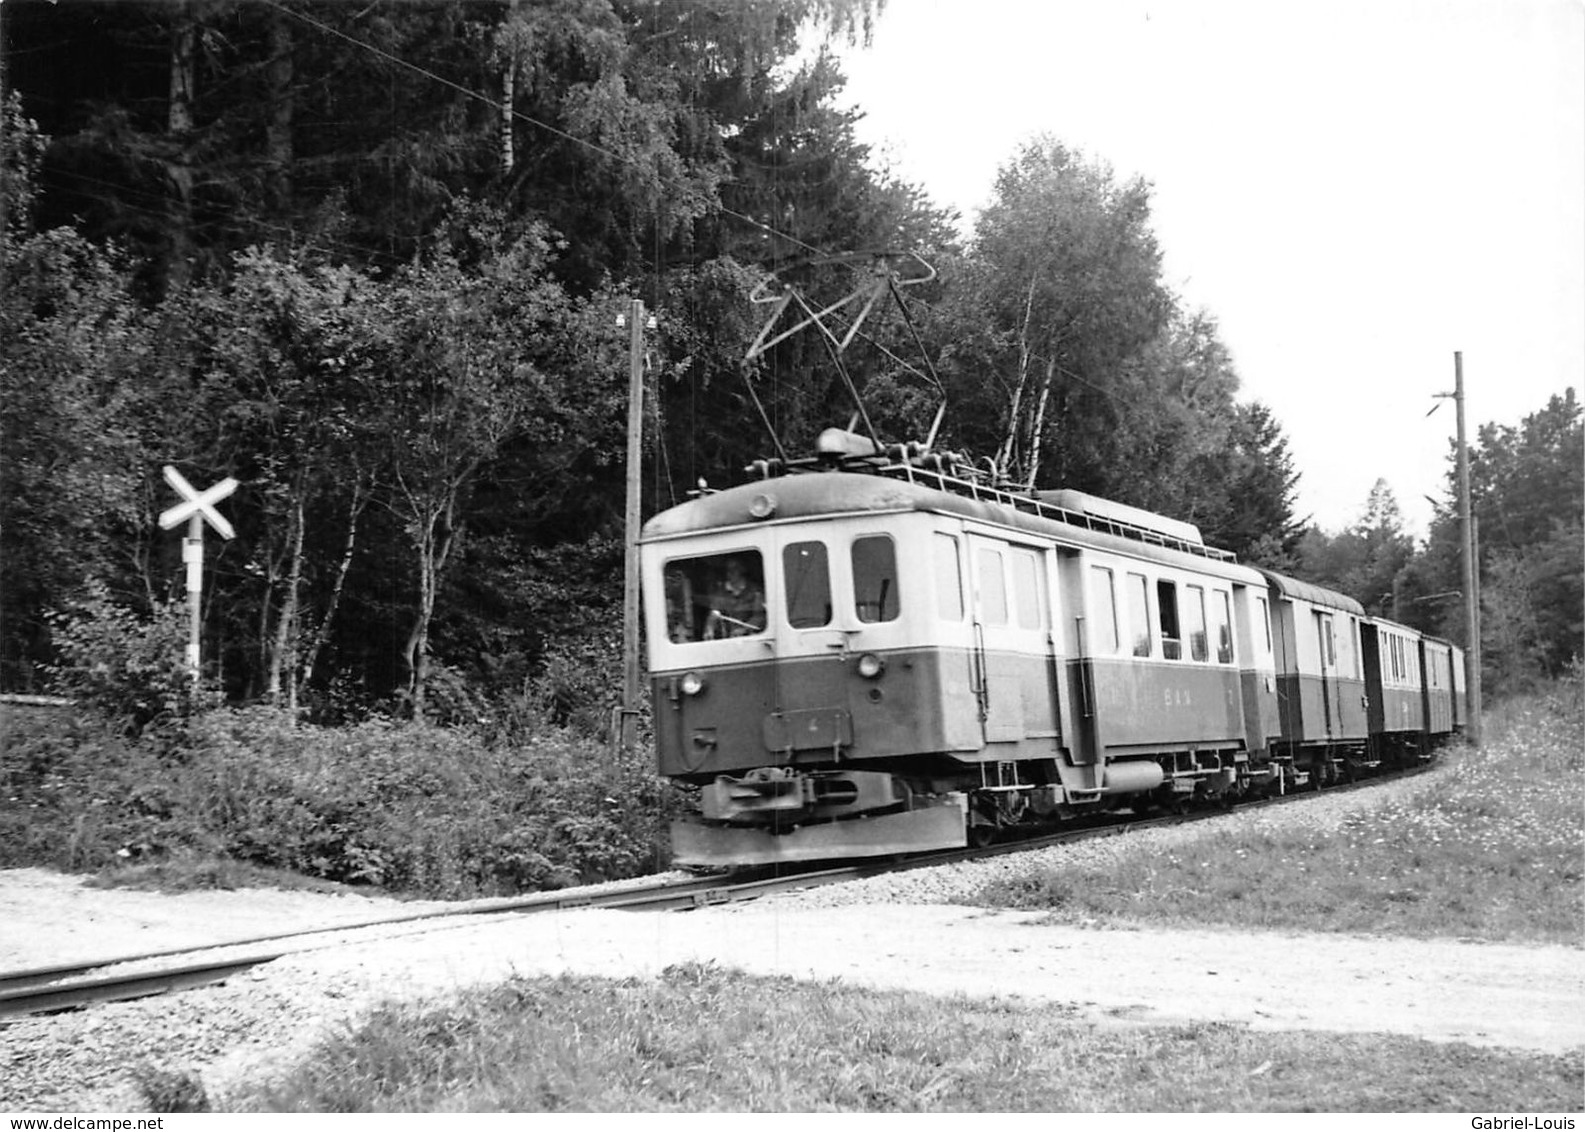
(762, 506)
(871, 666)
(692, 684)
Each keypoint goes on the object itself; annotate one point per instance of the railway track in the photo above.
(62, 986)
(66, 986)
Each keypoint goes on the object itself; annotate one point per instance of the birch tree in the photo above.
(458, 381)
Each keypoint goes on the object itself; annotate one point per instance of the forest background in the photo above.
(369, 259)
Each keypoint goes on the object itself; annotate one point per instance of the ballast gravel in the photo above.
(892, 932)
(949, 884)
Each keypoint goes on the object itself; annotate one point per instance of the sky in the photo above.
(1354, 190)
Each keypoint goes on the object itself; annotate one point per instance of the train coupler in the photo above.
(780, 795)
(939, 824)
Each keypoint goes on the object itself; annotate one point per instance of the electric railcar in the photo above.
(870, 653)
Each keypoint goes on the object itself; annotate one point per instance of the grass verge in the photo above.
(1489, 849)
(196, 872)
(703, 1039)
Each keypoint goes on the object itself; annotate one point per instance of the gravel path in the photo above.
(892, 932)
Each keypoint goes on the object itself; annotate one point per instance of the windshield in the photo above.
(715, 596)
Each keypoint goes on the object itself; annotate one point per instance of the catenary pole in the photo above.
(1471, 566)
(635, 447)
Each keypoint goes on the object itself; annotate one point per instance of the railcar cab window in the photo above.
(949, 578)
(875, 596)
(1103, 612)
(993, 587)
(1139, 613)
(1194, 612)
(1167, 602)
(715, 596)
(1222, 620)
(806, 577)
(1026, 588)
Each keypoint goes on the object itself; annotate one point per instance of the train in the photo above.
(877, 652)
(878, 649)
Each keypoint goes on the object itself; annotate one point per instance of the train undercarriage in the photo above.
(782, 815)
(777, 815)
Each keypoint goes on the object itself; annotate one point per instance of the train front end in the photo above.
(790, 677)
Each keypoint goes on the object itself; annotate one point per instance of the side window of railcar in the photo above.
(1139, 613)
(715, 596)
(1026, 589)
(1103, 612)
(875, 578)
(1194, 617)
(1265, 621)
(993, 588)
(1354, 643)
(1222, 619)
(807, 576)
(949, 578)
(1167, 602)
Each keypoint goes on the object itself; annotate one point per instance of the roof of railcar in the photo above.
(1315, 595)
(1405, 630)
(833, 494)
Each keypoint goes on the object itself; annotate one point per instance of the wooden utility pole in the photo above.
(628, 731)
(4, 144)
(1471, 565)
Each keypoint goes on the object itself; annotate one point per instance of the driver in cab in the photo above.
(737, 606)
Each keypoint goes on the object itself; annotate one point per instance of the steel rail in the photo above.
(38, 989)
(64, 986)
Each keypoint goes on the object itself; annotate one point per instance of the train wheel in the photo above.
(982, 835)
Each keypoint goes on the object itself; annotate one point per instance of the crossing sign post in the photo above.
(196, 509)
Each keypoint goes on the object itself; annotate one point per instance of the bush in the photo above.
(415, 809)
(130, 669)
(80, 795)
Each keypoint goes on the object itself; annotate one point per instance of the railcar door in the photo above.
(1326, 646)
(1012, 647)
(809, 720)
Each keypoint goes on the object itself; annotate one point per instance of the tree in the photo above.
(272, 346)
(71, 476)
(1250, 486)
(1527, 486)
(1067, 277)
(1365, 560)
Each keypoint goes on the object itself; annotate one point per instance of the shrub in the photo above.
(80, 795)
(133, 670)
(416, 809)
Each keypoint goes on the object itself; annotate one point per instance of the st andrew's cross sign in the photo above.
(197, 504)
(196, 509)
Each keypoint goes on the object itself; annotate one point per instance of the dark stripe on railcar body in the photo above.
(814, 710)
(1304, 701)
(1159, 706)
